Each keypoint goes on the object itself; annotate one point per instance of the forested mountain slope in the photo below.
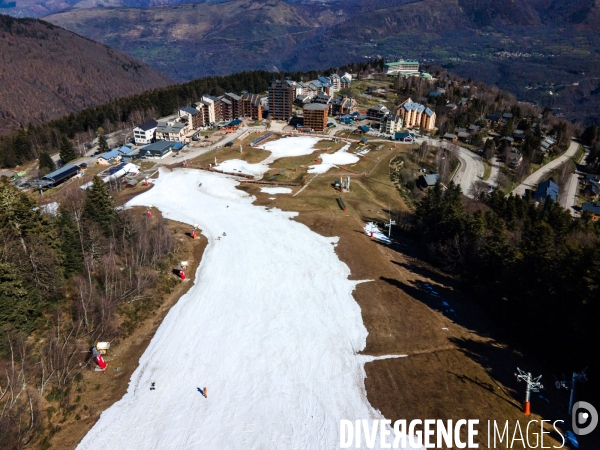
(46, 72)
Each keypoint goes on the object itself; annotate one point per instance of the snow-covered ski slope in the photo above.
(270, 327)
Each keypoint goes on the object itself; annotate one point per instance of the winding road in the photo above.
(471, 170)
(533, 180)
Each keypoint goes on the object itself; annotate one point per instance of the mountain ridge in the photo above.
(48, 72)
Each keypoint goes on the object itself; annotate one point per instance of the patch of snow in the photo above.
(270, 327)
(276, 190)
(50, 208)
(330, 160)
(377, 234)
(272, 198)
(368, 358)
(239, 165)
(291, 146)
(281, 148)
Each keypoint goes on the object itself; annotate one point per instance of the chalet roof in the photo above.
(404, 136)
(233, 96)
(166, 128)
(189, 110)
(315, 107)
(546, 189)
(158, 145)
(431, 179)
(148, 125)
(593, 208)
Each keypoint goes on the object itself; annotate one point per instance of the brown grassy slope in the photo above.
(46, 72)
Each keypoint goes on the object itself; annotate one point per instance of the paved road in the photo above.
(568, 198)
(532, 180)
(471, 170)
(192, 152)
(494, 172)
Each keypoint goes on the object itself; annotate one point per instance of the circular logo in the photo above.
(584, 418)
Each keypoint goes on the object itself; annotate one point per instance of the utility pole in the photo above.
(532, 385)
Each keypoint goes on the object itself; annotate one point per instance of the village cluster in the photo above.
(325, 107)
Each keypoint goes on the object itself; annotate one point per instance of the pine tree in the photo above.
(21, 147)
(46, 163)
(99, 205)
(102, 144)
(70, 245)
(67, 152)
(19, 304)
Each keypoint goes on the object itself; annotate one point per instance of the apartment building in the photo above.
(343, 105)
(336, 82)
(281, 99)
(345, 80)
(416, 115)
(144, 134)
(191, 116)
(315, 116)
(237, 107)
(206, 106)
(377, 112)
(404, 68)
(391, 124)
(252, 106)
(170, 129)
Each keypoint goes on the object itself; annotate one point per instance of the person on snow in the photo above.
(205, 393)
(152, 386)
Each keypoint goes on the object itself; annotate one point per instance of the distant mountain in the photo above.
(47, 72)
(41, 8)
(544, 51)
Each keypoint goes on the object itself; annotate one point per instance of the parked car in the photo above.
(229, 144)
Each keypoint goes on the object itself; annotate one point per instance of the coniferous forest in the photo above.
(532, 266)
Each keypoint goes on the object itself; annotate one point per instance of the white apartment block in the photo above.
(144, 134)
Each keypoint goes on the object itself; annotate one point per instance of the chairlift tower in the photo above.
(577, 377)
(532, 385)
(389, 227)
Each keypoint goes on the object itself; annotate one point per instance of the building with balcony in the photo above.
(315, 116)
(281, 99)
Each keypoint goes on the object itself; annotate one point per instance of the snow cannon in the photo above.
(102, 347)
(194, 227)
(148, 212)
(101, 364)
(146, 181)
(182, 266)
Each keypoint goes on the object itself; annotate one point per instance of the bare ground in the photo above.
(458, 364)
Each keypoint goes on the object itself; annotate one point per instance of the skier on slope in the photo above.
(205, 393)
